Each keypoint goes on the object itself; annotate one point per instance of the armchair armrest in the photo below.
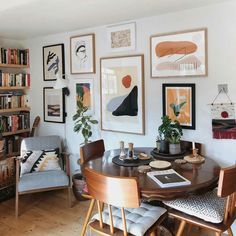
(66, 158)
(18, 159)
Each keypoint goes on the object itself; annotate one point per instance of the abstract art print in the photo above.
(53, 61)
(122, 94)
(179, 54)
(84, 93)
(82, 54)
(223, 121)
(54, 105)
(179, 103)
(121, 37)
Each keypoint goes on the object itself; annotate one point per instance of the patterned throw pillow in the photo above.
(40, 160)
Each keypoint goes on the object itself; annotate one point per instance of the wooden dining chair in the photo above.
(124, 215)
(214, 210)
(91, 151)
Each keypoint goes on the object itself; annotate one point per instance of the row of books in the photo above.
(13, 100)
(12, 123)
(10, 79)
(14, 56)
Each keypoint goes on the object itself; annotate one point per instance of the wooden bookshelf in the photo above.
(14, 66)
(14, 88)
(16, 132)
(14, 109)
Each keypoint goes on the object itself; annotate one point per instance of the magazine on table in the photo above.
(168, 178)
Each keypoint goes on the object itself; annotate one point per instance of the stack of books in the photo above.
(14, 56)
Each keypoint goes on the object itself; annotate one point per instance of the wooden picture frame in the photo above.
(179, 54)
(122, 94)
(53, 61)
(179, 103)
(53, 105)
(121, 37)
(82, 54)
(84, 92)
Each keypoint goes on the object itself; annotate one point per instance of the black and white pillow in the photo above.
(40, 160)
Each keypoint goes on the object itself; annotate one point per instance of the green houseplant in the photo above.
(174, 137)
(164, 131)
(83, 122)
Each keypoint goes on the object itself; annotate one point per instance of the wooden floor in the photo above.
(47, 214)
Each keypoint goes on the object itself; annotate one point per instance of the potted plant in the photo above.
(83, 122)
(164, 133)
(174, 137)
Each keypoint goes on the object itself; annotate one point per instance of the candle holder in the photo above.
(195, 152)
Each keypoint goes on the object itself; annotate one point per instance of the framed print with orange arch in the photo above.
(179, 103)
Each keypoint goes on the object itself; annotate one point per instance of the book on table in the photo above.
(168, 178)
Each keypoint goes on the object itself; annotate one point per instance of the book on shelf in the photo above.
(13, 79)
(168, 178)
(14, 56)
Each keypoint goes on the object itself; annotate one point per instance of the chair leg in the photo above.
(69, 196)
(230, 233)
(181, 228)
(17, 205)
(88, 216)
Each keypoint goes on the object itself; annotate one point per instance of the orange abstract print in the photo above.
(178, 104)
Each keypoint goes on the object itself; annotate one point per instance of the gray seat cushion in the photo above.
(208, 206)
(138, 220)
(40, 180)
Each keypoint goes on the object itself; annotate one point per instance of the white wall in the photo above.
(220, 19)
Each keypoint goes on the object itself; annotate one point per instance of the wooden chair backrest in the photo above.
(227, 188)
(187, 145)
(91, 150)
(35, 125)
(116, 191)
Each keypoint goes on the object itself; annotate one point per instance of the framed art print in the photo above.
(82, 54)
(53, 105)
(122, 94)
(179, 54)
(179, 103)
(53, 61)
(84, 93)
(121, 37)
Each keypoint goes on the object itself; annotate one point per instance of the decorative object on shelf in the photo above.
(54, 105)
(62, 83)
(223, 118)
(53, 61)
(179, 103)
(121, 37)
(84, 93)
(122, 98)
(82, 54)
(83, 122)
(174, 138)
(179, 54)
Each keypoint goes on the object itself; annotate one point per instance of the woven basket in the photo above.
(7, 172)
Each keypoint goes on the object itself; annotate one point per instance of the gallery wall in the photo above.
(219, 19)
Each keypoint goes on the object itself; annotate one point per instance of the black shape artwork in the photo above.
(129, 107)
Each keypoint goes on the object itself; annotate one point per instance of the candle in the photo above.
(193, 145)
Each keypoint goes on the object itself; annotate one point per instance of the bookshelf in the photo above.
(14, 110)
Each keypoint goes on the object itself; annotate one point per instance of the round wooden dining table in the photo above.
(203, 177)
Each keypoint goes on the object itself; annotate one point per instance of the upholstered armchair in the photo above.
(41, 167)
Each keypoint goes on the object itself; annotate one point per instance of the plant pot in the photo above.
(164, 146)
(174, 148)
